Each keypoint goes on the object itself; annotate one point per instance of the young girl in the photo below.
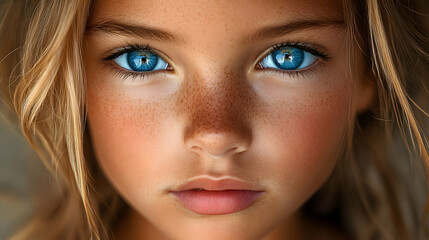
(222, 119)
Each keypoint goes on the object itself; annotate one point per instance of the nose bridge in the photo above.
(217, 114)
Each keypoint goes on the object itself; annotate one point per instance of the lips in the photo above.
(216, 197)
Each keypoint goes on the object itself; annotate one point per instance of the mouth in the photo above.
(216, 197)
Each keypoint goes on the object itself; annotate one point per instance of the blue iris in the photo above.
(141, 61)
(288, 58)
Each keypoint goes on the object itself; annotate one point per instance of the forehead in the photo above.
(197, 18)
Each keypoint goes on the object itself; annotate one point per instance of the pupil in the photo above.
(142, 60)
(288, 58)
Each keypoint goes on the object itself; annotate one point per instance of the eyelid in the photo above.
(318, 51)
(109, 61)
(314, 49)
(136, 47)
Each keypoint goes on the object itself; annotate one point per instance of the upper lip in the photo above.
(216, 185)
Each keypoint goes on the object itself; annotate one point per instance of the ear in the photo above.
(366, 92)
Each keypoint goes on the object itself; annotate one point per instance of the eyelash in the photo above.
(306, 72)
(125, 74)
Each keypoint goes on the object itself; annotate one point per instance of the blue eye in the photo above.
(288, 58)
(141, 61)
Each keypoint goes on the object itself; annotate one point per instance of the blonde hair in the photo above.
(43, 84)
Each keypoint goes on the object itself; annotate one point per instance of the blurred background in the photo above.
(21, 175)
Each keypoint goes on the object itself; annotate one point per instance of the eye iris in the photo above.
(142, 60)
(288, 58)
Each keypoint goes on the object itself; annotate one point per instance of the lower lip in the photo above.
(217, 202)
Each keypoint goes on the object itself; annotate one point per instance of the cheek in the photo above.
(123, 127)
(311, 127)
(306, 133)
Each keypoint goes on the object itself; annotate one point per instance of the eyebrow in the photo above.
(131, 30)
(118, 28)
(291, 27)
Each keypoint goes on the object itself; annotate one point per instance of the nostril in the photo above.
(238, 149)
(231, 151)
(196, 148)
(235, 149)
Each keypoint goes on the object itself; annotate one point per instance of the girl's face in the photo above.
(256, 92)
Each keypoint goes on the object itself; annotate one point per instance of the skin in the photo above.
(214, 113)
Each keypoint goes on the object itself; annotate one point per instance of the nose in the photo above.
(218, 123)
